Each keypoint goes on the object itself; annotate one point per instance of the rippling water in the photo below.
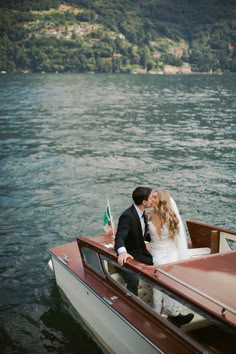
(67, 142)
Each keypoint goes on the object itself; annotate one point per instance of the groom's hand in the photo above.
(123, 257)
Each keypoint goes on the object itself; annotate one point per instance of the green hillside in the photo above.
(153, 36)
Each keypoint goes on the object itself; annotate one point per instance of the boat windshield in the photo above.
(203, 328)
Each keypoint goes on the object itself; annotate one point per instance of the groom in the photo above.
(132, 231)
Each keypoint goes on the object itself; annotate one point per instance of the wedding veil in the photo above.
(181, 238)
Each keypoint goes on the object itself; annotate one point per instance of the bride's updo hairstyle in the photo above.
(162, 206)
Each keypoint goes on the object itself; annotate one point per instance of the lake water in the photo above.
(69, 142)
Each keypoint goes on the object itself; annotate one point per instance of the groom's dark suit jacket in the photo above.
(129, 235)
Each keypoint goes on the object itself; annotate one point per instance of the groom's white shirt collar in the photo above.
(140, 212)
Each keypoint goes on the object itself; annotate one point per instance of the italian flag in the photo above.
(108, 220)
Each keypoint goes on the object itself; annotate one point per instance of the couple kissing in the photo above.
(163, 228)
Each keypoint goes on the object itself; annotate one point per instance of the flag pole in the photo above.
(112, 224)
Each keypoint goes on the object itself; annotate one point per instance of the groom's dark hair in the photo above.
(140, 194)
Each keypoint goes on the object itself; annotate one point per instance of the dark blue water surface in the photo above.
(67, 142)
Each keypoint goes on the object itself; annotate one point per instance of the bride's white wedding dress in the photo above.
(165, 250)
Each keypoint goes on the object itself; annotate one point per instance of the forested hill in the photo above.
(153, 36)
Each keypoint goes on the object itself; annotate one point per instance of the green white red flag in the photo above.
(108, 222)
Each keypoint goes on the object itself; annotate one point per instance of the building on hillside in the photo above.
(183, 69)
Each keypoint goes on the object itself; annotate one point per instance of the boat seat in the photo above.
(118, 278)
(144, 289)
(198, 252)
(197, 323)
(145, 292)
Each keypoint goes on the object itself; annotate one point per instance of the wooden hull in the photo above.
(113, 331)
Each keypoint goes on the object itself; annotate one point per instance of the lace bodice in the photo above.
(163, 249)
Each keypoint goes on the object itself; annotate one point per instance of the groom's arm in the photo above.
(122, 233)
(123, 230)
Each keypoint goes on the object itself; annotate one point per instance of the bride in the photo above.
(168, 244)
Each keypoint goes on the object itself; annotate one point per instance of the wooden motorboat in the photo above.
(87, 272)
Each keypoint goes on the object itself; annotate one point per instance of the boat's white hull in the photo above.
(112, 331)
